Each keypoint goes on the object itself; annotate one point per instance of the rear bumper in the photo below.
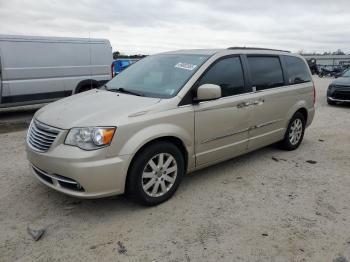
(86, 176)
(310, 116)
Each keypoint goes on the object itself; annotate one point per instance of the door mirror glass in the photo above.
(208, 92)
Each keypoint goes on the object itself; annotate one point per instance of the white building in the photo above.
(330, 60)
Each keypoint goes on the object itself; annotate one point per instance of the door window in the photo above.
(266, 72)
(228, 74)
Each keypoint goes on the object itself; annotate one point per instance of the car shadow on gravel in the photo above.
(121, 204)
(16, 118)
(117, 205)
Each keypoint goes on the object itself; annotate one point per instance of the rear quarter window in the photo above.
(297, 70)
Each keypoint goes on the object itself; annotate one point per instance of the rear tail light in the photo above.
(112, 70)
(314, 91)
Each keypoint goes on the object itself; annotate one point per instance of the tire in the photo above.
(151, 183)
(85, 88)
(330, 102)
(292, 139)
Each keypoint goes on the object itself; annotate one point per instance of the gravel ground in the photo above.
(269, 205)
(17, 118)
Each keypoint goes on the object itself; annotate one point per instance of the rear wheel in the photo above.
(155, 173)
(85, 88)
(295, 132)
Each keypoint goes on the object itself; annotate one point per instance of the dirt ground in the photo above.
(269, 205)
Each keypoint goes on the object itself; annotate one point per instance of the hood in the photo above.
(342, 81)
(93, 108)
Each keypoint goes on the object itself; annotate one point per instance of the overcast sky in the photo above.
(153, 26)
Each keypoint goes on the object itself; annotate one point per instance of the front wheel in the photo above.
(295, 132)
(156, 173)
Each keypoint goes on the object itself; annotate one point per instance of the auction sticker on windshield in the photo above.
(185, 66)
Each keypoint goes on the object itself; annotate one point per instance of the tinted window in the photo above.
(266, 72)
(228, 74)
(297, 70)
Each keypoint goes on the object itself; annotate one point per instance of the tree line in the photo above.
(118, 55)
(338, 52)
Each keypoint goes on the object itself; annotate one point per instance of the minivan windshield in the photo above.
(159, 76)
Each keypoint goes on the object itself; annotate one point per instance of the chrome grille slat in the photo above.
(37, 134)
(42, 132)
(37, 146)
(40, 141)
(41, 136)
(35, 142)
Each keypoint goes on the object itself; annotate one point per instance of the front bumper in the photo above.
(79, 173)
(338, 94)
(339, 100)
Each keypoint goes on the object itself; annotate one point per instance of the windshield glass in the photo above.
(159, 76)
(346, 73)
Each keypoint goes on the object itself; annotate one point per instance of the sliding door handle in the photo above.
(243, 104)
(259, 102)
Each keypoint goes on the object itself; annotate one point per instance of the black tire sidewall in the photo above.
(84, 89)
(134, 181)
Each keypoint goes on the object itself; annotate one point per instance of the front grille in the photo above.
(342, 94)
(40, 136)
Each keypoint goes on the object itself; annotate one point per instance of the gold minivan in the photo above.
(167, 115)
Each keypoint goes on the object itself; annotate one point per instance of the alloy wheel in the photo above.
(296, 131)
(159, 175)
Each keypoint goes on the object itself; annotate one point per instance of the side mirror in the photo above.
(208, 92)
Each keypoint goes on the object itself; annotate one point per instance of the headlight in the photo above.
(90, 138)
(330, 89)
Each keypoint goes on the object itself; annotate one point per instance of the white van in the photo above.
(43, 69)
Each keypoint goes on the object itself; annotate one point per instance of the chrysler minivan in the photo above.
(167, 115)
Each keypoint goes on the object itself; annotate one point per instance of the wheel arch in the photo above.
(167, 138)
(86, 83)
(304, 112)
(298, 107)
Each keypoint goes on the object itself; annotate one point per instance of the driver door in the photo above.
(221, 126)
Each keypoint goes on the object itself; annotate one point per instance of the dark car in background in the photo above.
(339, 89)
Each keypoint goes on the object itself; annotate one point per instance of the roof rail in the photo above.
(256, 48)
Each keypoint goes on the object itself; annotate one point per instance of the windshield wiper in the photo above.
(127, 91)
